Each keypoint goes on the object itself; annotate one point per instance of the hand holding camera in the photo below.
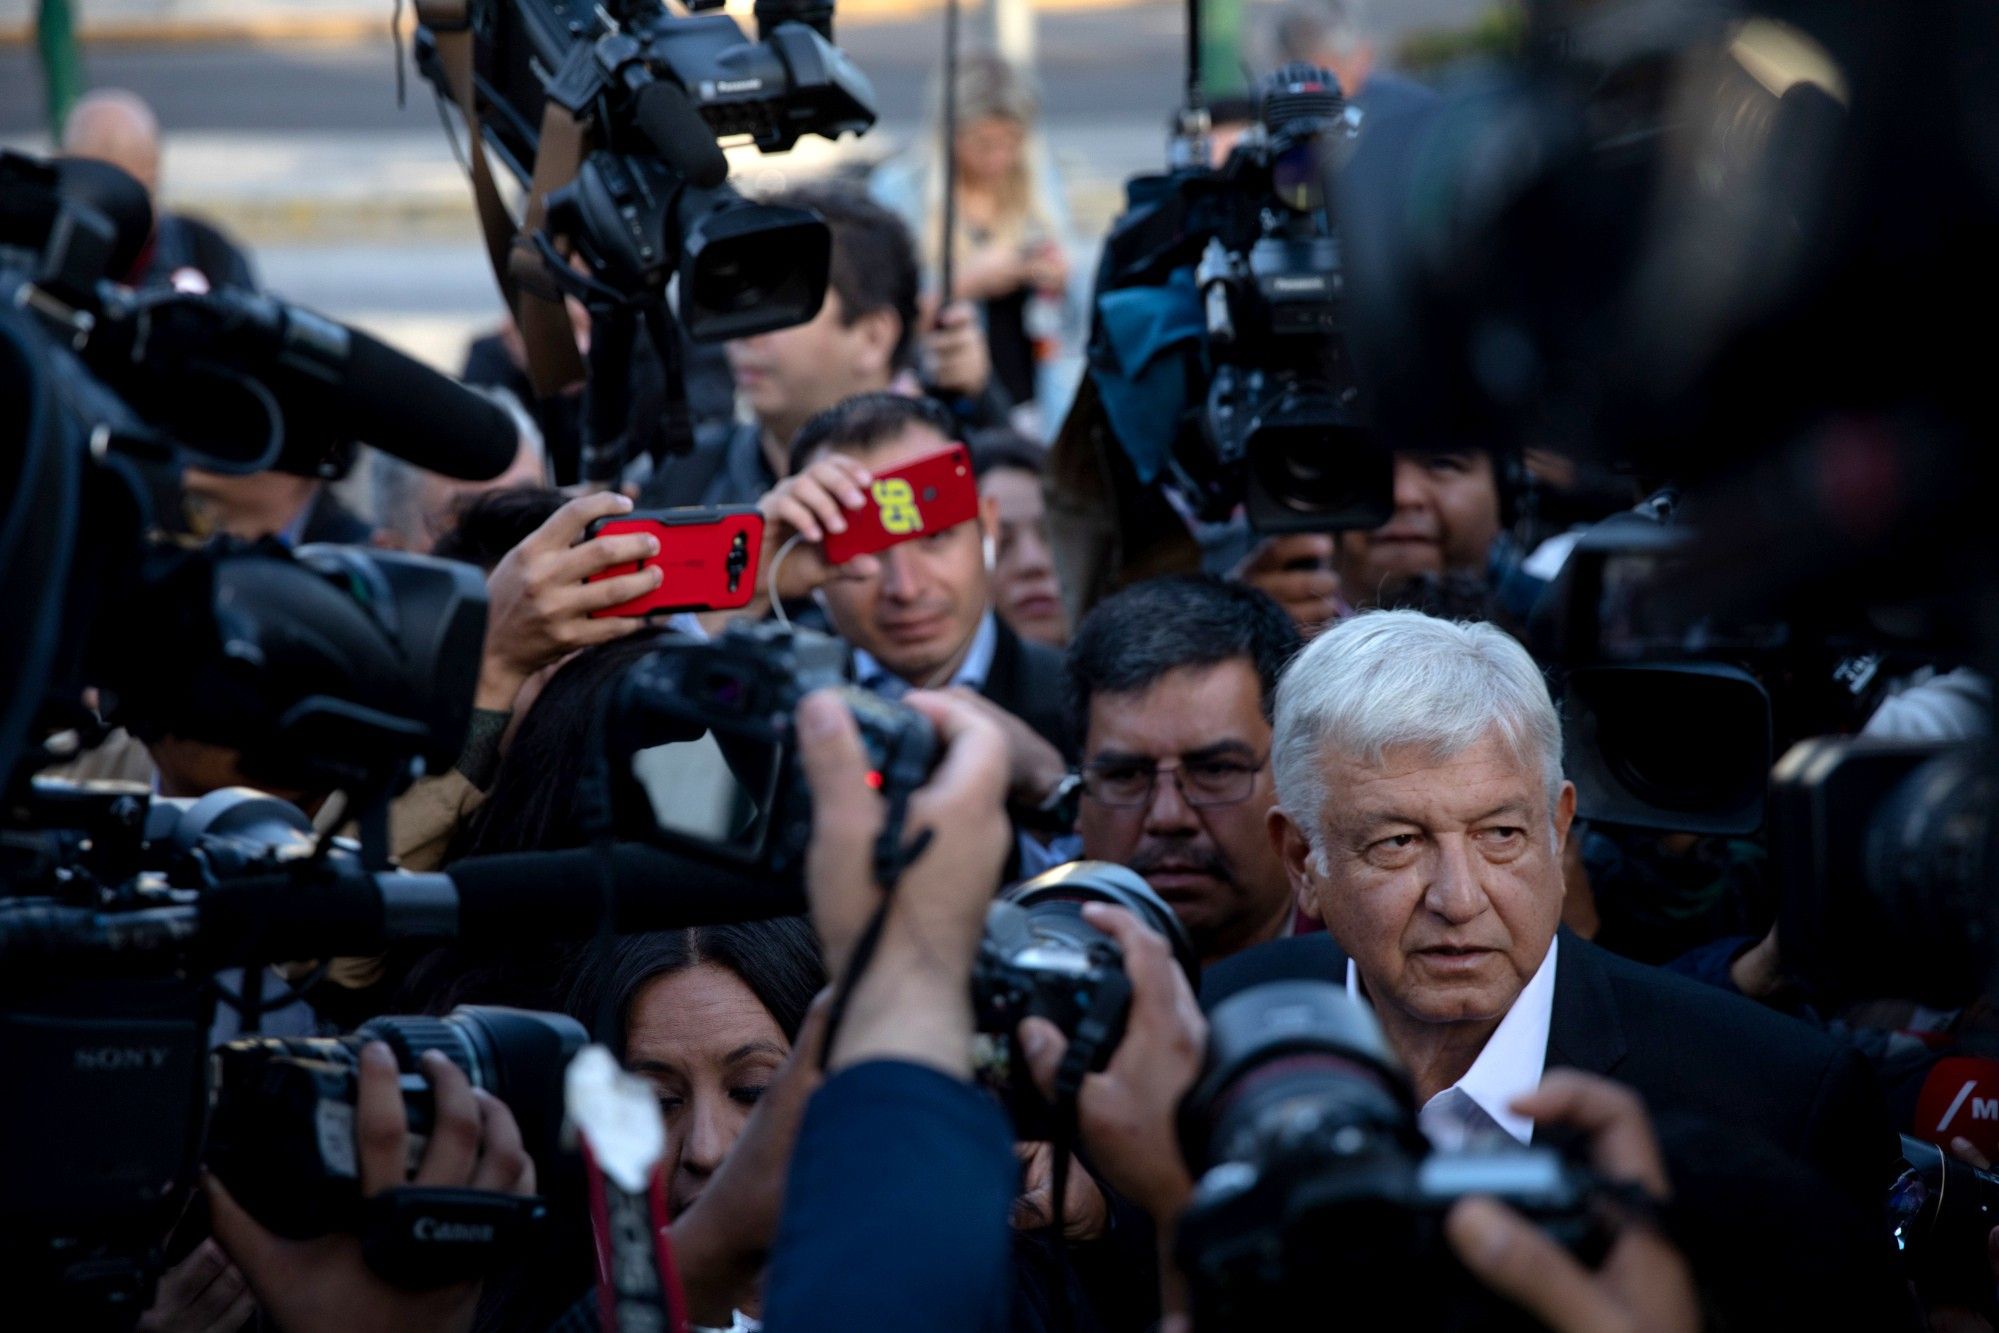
(914, 1002)
(324, 1283)
(1125, 1113)
(1643, 1284)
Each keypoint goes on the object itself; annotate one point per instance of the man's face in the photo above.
(1024, 584)
(917, 613)
(1446, 517)
(788, 375)
(1442, 878)
(1213, 864)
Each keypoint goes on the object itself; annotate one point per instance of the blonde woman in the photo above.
(1010, 253)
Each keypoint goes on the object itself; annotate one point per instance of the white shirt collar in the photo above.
(1511, 1062)
(972, 672)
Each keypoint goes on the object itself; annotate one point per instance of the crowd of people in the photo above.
(1330, 755)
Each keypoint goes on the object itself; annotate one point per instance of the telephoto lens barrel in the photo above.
(282, 1132)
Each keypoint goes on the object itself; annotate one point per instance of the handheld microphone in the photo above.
(1960, 1099)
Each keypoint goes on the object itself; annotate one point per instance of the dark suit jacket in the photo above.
(1685, 1048)
(1029, 681)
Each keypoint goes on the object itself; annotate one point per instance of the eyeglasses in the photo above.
(1124, 784)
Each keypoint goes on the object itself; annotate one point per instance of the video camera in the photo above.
(1313, 1176)
(609, 116)
(1218, 347)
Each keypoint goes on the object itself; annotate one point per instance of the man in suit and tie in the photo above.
(1422, 814)
(919, 615)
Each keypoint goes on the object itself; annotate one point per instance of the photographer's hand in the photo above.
(914, 1002)
(203, 1293)
(1034, 767)
(1085, 1212)
(1644, 1284)
(324, 1284)
(1125, 1114)
(538, 606)
(1296, 571)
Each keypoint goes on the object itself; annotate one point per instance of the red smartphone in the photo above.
(708, 558)
(923, 496)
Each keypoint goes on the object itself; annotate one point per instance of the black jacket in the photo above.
(1685, 1048)
(1029, 681)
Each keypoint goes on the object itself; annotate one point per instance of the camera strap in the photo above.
(420, 1238)
(553, 361)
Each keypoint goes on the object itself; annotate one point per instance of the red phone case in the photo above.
(924, 495)
(708, 556)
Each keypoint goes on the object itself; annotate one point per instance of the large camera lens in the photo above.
(1041, 959)
(1681, 747)
(282, 1133)
(749, 268)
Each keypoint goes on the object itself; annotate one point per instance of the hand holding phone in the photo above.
(924, 496)
(708, 558)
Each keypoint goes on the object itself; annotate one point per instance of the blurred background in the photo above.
(282, 125)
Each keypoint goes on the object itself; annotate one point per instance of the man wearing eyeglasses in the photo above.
(1173, 680)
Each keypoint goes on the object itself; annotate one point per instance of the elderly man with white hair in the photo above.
(1421, 815)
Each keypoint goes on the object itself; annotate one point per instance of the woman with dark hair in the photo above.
(531, 807)
(706, 1015)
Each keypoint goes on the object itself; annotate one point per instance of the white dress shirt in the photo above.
(1468, 1113)
(875, 678)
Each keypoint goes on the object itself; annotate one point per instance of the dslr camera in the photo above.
(705, 760)
(1314, 1177)
(1040, 959)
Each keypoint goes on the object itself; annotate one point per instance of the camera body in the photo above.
(1280, 428)
(1880, 853)
(705, 759)
(281, 1136)
(1314, 1176)
(1040, 959)
(651, 92)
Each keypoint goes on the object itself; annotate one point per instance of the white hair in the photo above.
(1396, 679)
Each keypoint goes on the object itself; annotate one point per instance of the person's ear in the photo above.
(989, 531)
(1564, 816)
(876, 335)
(1294, 851)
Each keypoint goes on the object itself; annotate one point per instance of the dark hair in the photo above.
(1131, 639)
(531, 806)
(777, 959)
(865, 420)
(997, 448)
(487, 525)
(874, 257)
